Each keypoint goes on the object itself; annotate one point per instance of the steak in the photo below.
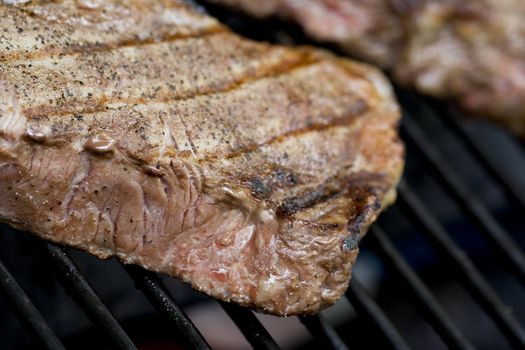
(470, 52)
(147, 131)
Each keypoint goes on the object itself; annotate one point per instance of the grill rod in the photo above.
(368, 309)
(462, 266)
(74, 282)
(161, 299)
(324, 334)
(451, 119)
(429, 108)
(27, 313)
(507, 249)
(250, 327)
(432, 310)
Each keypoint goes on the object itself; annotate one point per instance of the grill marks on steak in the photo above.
(78, 26)
(90, 83)
(145, 130)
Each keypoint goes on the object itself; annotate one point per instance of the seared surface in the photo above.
(471, 52)
(147, 131)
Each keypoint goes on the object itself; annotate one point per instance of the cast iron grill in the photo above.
(431, 162)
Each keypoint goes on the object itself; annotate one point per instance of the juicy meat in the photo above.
(146, 130)
(471, 52)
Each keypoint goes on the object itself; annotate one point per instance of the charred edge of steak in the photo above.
(359, 185)
(263, 186)
(365, 190)
(364, 214)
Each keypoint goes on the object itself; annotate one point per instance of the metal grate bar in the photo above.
(251, 328)
(462, 266)
(163, 302)
(512, 191)
(507, 249)
(451, 118)
(367, 308)
(432, 310)
(324, 334)
(27, 312)
(74, 282)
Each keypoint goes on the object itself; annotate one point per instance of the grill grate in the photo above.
(431, 160)
(164, 303)
(430, 307)
(463, 267)
(323, 333)
(83, 293)
(368, 308)
(250, 327)
(27, 312)
(508, 251)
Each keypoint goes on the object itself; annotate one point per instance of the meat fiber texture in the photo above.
(470, 52)
(147, 131)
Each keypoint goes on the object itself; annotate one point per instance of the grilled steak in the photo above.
(471, 52)
(147, 131)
